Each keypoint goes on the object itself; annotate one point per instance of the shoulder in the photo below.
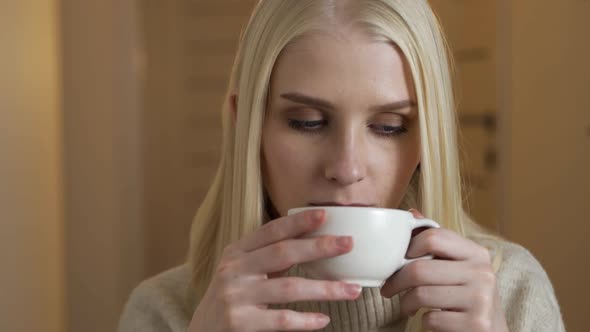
(527, 295)
(512, 258)
(514, 262)
(160, 303)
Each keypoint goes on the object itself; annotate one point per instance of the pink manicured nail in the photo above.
(317, 215)
(343, 242)
(416, 213)
(353, 289)
(323, 320)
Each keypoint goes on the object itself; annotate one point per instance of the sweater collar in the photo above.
(369, 312)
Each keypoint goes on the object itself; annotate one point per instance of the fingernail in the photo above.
(323, 320)
(317, 215)
(353, 289)
(343, 242)
(416, 213)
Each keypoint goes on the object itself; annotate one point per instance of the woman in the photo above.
(340, 103)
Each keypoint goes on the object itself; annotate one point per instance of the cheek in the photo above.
(395, 165)
(288, 160)
(279, 156)
(288, 170)
(398, 157)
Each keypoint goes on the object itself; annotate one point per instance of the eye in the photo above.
(388, 131)
(310, 126)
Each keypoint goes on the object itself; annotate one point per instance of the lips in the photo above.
(340, 204)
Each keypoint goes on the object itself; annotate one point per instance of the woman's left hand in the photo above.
(460, 283)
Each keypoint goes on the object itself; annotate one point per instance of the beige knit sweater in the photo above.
(164, 303)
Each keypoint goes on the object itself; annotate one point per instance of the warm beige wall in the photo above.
(31, 227)
(102, 183)
(546, 145)
(189, 49)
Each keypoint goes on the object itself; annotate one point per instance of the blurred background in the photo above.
(109, 136)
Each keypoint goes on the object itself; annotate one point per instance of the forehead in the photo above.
(345, 62)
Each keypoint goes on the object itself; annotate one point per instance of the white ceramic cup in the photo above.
(381, 238)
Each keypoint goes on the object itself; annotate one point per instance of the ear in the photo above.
(233, 105)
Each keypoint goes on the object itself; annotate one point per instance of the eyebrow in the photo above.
(326, 105)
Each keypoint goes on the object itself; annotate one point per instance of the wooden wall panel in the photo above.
(189, 51)
(471, 29)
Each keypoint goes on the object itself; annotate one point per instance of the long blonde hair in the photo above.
(235, 202)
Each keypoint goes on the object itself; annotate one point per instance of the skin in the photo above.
(359, 146)
(345, 159)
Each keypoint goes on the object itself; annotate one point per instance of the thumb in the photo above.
(417, 214)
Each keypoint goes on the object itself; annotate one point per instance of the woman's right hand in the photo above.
(242, 287)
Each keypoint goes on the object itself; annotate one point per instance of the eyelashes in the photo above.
(316, 127)
(306, 126)
(389, 131)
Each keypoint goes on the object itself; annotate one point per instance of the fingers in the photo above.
(282, 255)
(294, 289)
(281, 229)
(446, 321)
(451, 321)
(417, 214)
(427, 272)
(259, 319)
(477, 302)
(446, 244)
(441, 297)
(289, 320)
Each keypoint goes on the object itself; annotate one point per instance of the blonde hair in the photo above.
(235, 202)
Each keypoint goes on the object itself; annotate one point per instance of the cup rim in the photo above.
(376, 209)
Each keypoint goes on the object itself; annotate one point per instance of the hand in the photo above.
(459, 284)
(242, 287)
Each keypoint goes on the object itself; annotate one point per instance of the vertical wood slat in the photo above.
(190, 47)
(102, 161)
(474, 51)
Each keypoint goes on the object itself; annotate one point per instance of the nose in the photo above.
(345, 160)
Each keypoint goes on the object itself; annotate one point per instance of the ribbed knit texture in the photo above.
(369, 312)
(165, 302)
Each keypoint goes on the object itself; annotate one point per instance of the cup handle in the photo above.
(417, 224)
